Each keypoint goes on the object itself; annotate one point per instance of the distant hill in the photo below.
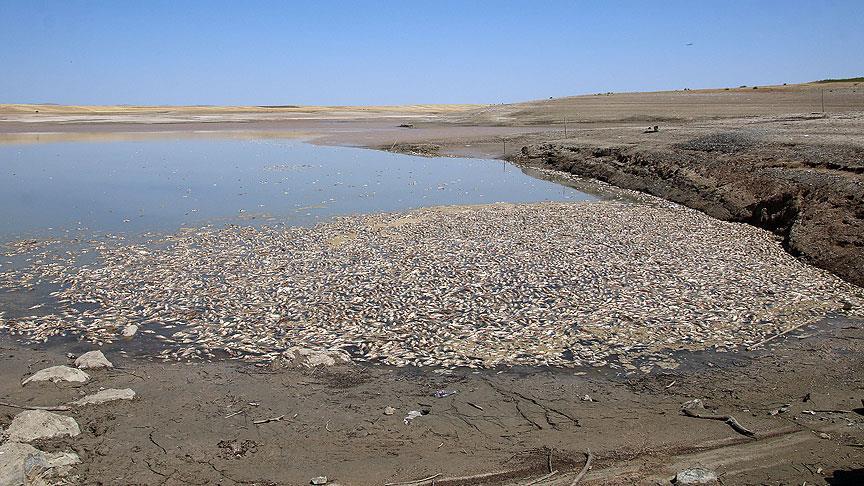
(842, 80)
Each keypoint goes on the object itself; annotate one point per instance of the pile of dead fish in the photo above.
(561, 284)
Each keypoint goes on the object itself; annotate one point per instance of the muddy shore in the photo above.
(183, 426)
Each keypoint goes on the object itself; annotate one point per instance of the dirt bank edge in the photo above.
(811, 195)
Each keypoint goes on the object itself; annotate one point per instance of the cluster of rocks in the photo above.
(21, 462)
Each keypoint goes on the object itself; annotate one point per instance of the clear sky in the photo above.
(394, 52)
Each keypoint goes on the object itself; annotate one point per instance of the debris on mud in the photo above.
(232, 449)
(612, 284)
(696, 475)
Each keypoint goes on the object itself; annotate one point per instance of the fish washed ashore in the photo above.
(811, 194)
(612, 283)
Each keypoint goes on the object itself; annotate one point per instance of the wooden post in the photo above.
(565, 126)
(505, 146)
(823, 100)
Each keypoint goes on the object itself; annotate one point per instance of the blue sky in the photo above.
(376, 52)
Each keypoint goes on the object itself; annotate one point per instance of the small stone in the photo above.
(107, 395)
(318, 480)
(58, 373)
(587, 398)
(823, 435)
(696, 475)
(17, 460)
(92, 360)
(389, 410)
(129, 331)
(31, 425)
(311, 358)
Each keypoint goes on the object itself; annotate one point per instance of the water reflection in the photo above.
(160, 185)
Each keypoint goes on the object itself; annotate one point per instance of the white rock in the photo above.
(696, 475)
(107, 395)
(389, 410)
(30, 425)
(58, 373)
(129, 331)
(93, 360)
(311, 358)
(14, 455)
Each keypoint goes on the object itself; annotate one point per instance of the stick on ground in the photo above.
(787, 331)
(414, 482)
(264, 421)
(589, 458)
(542, 478)
(58, 408)
(694, 409)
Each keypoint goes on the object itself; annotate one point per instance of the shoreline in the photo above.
(819, 225)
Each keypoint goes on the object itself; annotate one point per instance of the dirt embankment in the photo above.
(810, 194)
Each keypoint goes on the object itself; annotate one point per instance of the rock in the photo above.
(25, 464)
(92, 360)
(696, 475)
(30, 425)
(318, 480)
(129, 331)
(823, 435)
(107, 395)
(58, 373)
(389, 410)
(311, 358)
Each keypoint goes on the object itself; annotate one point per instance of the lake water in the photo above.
(66, 188)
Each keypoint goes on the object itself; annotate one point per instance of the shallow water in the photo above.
(57, 189)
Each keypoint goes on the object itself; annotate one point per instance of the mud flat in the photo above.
(195, 423)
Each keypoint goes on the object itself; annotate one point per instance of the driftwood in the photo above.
(542, 478)
(589, 458)
(415, 482)
(57, 408)
(768, 340)
(694, 408)
(264, 421)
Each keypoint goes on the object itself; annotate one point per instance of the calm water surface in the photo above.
(56, 189)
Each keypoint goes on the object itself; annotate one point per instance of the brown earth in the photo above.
(180, 428)
(755, 155)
